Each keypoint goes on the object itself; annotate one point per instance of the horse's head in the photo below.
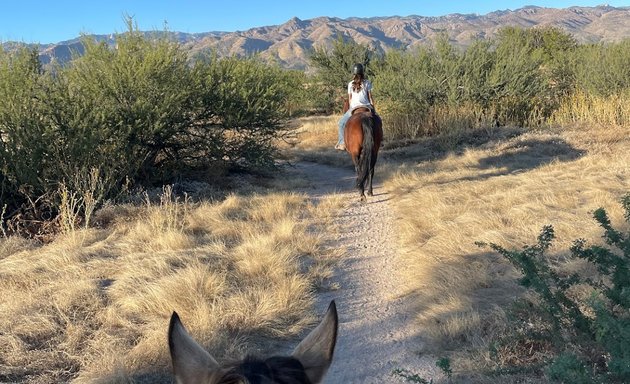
(307, 364)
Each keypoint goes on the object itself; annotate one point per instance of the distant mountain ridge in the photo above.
(288, 44)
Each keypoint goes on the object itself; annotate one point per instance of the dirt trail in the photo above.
(376, 333)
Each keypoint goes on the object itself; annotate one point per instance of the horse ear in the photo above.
(315, 351)
(191, 363)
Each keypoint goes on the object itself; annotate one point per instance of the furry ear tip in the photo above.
(332, 306)
(332, 312)
(174, 320)
(175, 326)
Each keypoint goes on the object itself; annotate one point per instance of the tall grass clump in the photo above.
(601, 89)
(583, 108)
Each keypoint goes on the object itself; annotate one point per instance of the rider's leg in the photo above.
(342, 125)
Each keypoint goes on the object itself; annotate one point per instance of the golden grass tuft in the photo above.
(238, 271)
(314, 139)
(582, 108)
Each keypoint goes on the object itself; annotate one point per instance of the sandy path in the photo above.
(376, 334)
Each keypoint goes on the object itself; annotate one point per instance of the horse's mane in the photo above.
(252, 370)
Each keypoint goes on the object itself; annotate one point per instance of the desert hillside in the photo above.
(289, 43)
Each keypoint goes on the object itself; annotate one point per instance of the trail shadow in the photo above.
(379, 198)
(522, 156)
(532, 153)
(510, 153)
(482, 311)
(326, 179)
(439, 147)
(496, 282)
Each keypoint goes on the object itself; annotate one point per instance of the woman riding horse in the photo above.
(359, 95)
(361, 132)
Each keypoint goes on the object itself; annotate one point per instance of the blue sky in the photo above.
(50, 21)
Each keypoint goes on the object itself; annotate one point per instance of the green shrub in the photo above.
(403, 84)
(519, 78)
(138, 113)
(602, 70)
(566, 368)
(592, 336)
(25, 134)
(334, 70)
(245, 109)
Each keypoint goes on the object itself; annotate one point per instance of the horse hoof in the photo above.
(363, 199)
(370, 193)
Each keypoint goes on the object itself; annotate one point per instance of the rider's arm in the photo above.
(371, 99)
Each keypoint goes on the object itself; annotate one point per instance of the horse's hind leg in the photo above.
(369, 180)
(361, 188)
(371, 175)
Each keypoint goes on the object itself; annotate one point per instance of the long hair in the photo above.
(357, 82)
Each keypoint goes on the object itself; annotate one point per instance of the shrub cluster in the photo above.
(590, 334)
(139, 112)
(521, 77)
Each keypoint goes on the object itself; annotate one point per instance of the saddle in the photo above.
(361, 108)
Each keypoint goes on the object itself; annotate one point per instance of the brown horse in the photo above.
(363, 134)
(307, 364)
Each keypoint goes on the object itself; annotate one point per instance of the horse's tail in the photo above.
(365, 157)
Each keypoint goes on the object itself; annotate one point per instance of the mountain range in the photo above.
(289, 44)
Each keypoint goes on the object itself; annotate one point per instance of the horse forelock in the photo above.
(252, 370)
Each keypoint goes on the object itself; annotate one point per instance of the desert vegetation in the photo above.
(502, 192)
(92, 306)
(136, 114)
(479, 154)
(135, 181)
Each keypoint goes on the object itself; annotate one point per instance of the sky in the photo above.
(52, 21)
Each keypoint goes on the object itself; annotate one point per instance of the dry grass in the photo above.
(94, 305)
(499, 185)
(446, 121)
(501, 191)
(582, 108)
(314, 139)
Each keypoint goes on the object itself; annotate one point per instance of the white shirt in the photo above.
(361, 97)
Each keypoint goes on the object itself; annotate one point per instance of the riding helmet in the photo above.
(358, 69)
